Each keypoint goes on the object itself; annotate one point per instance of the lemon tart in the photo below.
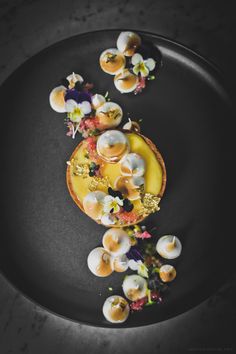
(120, 192)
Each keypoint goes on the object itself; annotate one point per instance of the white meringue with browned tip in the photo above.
(99, 262)
(116, 241)
(167, 273)
(120, 263)
(112, 145)
(57, 99)
(169, 247)
(93, 204)
(132, 165)
(116, 309)
(129, 186)
(134, 287)
(73, 78)
(128, 42)
(112, 61)
(125, 81)
(97, 100)
(109, 115)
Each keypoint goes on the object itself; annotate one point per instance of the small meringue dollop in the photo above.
(129, 186)
(132, 125)
(109, 115)
(98, 100)
(73, 78)
(116, 241)
(132, 165)
(120, 263)
(128, 42)
(57, 99)
(112, 145)
(99, 262)
(125, 81)
(167, 273)
(112, 61)
(134, 287)
(116, 309)
(93, 204)
(169, 247)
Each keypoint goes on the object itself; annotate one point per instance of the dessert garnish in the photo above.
(116, 309)
(116, 241)
(87, 113)
(132, 73)
(100, 262)
(131, 183)
(118, 177)
(169, 247)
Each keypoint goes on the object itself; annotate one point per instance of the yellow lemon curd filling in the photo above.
(153, 172)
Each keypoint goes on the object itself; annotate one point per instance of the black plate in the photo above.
(46, 238)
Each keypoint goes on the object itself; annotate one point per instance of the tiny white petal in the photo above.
(85, 106)
(119, 201)
(70, 105)
(136, 59)
(150, 63)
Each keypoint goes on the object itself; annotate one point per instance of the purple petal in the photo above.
(84, 96)
(72, 94)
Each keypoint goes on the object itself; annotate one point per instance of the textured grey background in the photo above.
(28, 26)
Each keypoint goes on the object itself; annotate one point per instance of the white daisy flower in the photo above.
(142, 66)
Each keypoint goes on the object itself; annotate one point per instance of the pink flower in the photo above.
(143, 235)
(141, 85)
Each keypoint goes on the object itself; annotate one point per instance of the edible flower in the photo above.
(76, 111)
(142, 66)
(112, 204)
(139, 266)
(143, 235)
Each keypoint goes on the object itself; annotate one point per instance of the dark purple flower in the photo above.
(78, 96)
(135, 254)
(84, 96)
(72, 94)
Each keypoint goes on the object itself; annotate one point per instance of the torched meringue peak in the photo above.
(134, 287)
(109, 115)
(93, 204)
(57, 99)
(99, 262)
(128, 42)
(98, 100)
(112, 145)
(167, 273)
(132, 165)
(116, 309)
(120, 263)
(112, 61)
(116, 241)
(129, 186)
(126, 81)
(132, 125)
(73, 78)
(169, 247)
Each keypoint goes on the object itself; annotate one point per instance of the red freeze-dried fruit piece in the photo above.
(138, 305)
(128, 217)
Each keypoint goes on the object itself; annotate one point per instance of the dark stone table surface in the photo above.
(28, 26)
